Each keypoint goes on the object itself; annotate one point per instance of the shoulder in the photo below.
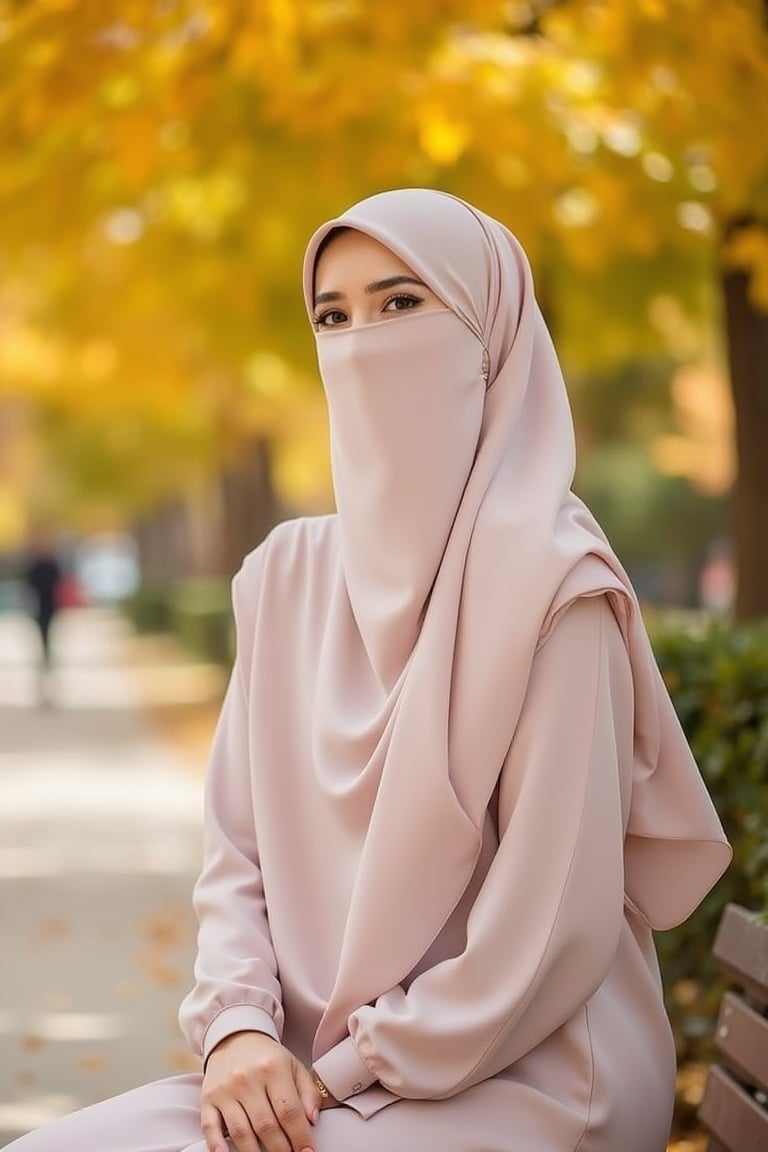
(296, 555)
(583, 614)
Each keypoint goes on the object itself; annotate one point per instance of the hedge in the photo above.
(149, 609)
(201, 617)
(717, 675)
(197, 612)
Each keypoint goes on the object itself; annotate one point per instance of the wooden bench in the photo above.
(735, 1104)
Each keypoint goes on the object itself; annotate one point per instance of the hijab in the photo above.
(461, 543)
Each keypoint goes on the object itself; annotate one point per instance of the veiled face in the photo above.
(359, 281)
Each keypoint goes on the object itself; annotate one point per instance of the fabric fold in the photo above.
(459, 625)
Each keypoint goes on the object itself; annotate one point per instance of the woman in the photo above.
(448, 797)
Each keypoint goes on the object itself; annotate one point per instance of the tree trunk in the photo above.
(747, 335)
(163, 539)
(250, 507)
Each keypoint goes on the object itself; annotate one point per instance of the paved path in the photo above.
(99, 846)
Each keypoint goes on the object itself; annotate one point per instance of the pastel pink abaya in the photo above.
(448, 798)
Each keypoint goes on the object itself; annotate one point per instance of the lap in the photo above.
(164, 1116)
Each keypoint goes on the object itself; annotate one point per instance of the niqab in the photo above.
(461, 544)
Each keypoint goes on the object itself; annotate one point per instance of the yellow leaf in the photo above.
(32, 1043)
(748, 250)
(182, 1061)
(442, 138)
(93, 1063)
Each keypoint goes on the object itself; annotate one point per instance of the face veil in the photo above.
(405, 400)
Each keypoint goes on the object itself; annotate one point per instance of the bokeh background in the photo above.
(162, 164)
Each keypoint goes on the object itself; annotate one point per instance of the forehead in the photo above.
(350, 256)
(437, 238)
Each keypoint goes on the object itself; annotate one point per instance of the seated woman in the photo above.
(448, 798)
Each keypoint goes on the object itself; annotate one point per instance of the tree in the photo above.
(168, 162)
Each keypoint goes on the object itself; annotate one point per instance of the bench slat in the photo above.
(742, 1037)
(741, 950)
(732, 1116)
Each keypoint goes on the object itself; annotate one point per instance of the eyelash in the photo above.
(319, 320)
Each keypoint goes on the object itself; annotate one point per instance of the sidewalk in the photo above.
(99, 848)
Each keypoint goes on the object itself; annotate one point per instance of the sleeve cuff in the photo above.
(238, 1018)
(343, 1071)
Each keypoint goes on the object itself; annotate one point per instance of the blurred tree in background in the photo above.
(164, 164)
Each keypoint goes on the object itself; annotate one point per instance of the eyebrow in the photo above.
(370, 289)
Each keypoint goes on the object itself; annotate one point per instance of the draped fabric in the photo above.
(461, 543)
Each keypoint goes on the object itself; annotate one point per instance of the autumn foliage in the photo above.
(163, 165)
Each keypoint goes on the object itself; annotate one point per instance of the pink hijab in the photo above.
(461, 543)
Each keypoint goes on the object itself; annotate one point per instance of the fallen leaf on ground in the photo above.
(158, 970)
(93, 1063)
(182, 1060)
(32, 1043)
(686, 992)
(53, 928)
(690, 1083)
(128, 991)
(163, 931)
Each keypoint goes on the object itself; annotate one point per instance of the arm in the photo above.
(236, 985)
(253, 1086)
(546, 923)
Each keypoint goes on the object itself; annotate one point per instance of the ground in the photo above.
(99, 847)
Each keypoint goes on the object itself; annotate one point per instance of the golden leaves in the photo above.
(163, 933)
(31, 1043)
(443, 139)
(158, 970)
(93, 1063)
(748, 250)
(181, 1060)
(53, 928)
(84, 1024)
(166, 166)
(703, 448)
(136, 146)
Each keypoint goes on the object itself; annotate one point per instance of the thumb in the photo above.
(307, 1089)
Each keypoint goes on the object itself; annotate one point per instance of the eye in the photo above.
(330, 319)
(402, 302)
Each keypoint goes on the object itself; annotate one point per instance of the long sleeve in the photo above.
(545, 925)
(236, 985)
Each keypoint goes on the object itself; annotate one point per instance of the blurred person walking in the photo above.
(43, 580)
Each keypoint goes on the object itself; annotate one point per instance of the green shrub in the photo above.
(197, 612)
(149, 608)
(717, 675)
(201, 618)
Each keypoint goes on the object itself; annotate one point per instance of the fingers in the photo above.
(241, 1132)
(308, 1093)
(213, 1130)
(257, 1122)
(257, 1092)
(290, 1113)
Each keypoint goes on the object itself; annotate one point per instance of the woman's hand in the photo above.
(259, 1093)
